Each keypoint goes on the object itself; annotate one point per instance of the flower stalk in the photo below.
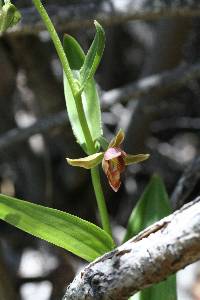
(81, 114)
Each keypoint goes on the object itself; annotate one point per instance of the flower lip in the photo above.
(112, 153)
(114, 160)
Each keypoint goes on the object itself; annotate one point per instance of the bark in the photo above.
(157, 252)
(17, 135)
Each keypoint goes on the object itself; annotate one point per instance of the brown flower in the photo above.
(114, 160)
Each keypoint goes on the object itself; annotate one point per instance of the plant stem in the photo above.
(84, 125)
(100, 200)
(81, 114)
(57, 43)
(94, 171)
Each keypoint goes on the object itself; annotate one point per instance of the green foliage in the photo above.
(93, 56)
(90, 98)
(9, 16)
(57, 227)
(152, 206)
(165, 290)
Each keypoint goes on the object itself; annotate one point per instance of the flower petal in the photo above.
(87, 162)
(117, 140)
(112, 175)
(133, 159)
(112, 153)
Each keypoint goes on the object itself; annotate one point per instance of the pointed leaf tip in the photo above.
(93, 56)
(91, 103)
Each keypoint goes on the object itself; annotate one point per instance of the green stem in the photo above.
(57, 43)
(100, 200)
(84, 125)
(81, 114)
(94, 171)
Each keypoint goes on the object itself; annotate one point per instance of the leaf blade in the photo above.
(91, 103)
(57, 227)
(93, 56)
(147, 212)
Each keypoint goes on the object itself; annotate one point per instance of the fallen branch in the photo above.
(81, 14)
(159, 251)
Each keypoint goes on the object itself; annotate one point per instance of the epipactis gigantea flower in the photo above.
(114, 160)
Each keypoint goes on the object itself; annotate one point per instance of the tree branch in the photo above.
(82, 13)
(186, 183)
(176, 124)
(152, 85)
(160, 250)
(18, 135)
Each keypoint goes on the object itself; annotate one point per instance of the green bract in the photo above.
(91, 105)
(93, 56)
(57, 227)
(9, 16)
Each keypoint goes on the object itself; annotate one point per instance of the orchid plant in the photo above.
(83, 107)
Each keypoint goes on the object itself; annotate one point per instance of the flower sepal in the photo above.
(87, 162)
(134, 159)
(114, 160)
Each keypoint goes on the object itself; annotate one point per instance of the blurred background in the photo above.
(149, 86)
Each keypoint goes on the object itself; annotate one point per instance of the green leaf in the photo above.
(152, 206)
(93, 56)
(73, 114)
(9, 16)
(74, 52)
(165, 290)
(90, 97)
(57, 227)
